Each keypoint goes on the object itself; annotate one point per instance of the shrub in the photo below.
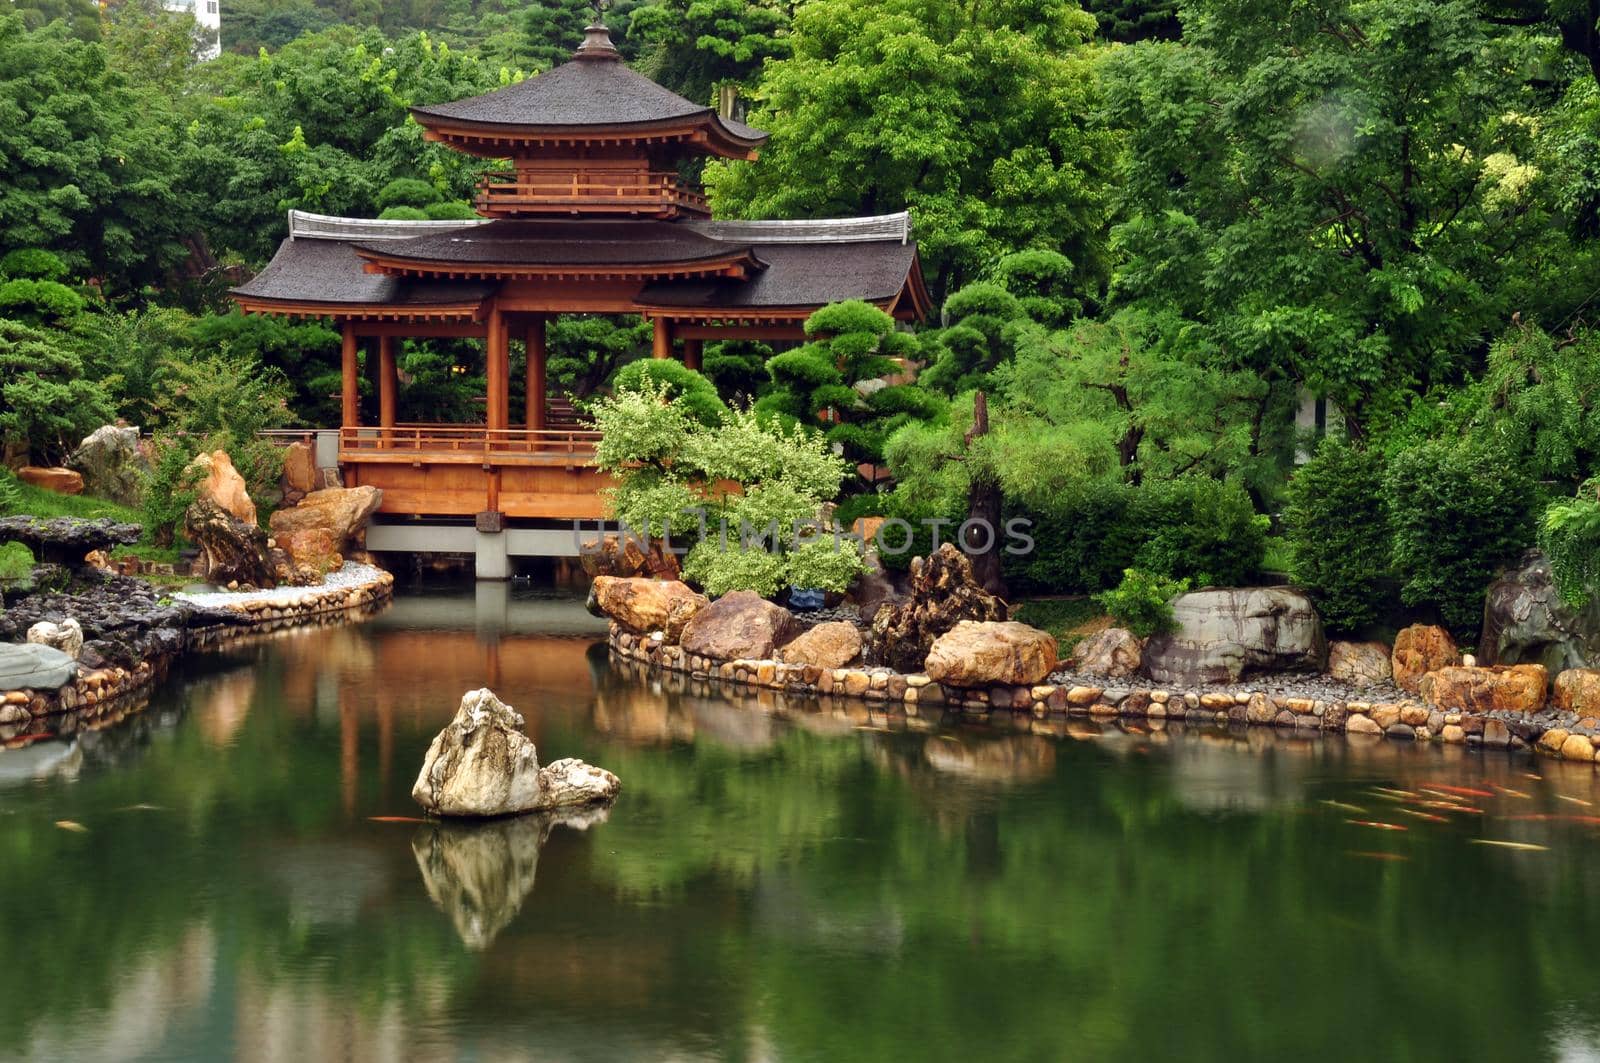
(16, 561)
(1569, 535)
(825, 564)
(694, 393)
(32, 263)
(1202, 530)
(1460, 510)
(450, 210)
(407, 192)
(1142, 602)
(403, 214)
(719, 569)
(1338, 534)
(1080, 546)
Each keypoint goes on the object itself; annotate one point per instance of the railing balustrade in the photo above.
(448, 442)
(635, 192)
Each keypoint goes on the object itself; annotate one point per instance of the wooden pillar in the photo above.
(498, 402)
(533, 413)
(388, 381)
(661, 340)
(350, 379)
(692, 350)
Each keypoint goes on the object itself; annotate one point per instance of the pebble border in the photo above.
(103, 695)
(1408, 719)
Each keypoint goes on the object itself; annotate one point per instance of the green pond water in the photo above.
(793, 886)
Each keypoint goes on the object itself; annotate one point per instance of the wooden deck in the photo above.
(463, 470)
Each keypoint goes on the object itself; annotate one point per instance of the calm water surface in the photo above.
(815, 886)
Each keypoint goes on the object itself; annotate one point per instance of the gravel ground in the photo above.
(351, 575)
(1284, 684)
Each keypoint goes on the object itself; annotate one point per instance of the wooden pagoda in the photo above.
(591, 216)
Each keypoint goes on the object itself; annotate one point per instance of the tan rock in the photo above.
(1114, 652)
(1453, 734)
(738, 625)
(614, 555)
(646, 605)
(1552, 740)
(1418, 650)
(61, 481)
(223, 484)
(1359, 663)
(341, 511)
(1414, 715)
(1577, 747)
(300, 467)
(1386, 714)
(1362, 725)
(984, 653)
(312, 552)
(1517, 688)
(1078, 697)
(829, 645)
(1577, 690)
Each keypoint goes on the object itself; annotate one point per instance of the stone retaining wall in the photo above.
(1408, 719)
(104, 696)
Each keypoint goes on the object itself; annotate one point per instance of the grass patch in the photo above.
(1070, 620)
(16, 561)
(1277, 556)
(37, 502)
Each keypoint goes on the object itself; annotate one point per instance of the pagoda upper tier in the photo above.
(590, 137)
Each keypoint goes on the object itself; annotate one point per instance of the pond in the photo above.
(237, 872)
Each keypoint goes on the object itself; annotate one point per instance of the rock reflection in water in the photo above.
(1008, 761)
(479, 874)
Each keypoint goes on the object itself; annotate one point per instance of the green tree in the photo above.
(695, 46)
(47, 401)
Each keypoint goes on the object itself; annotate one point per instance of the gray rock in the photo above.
(1526, 622)
(112, 464)
(1224, 633)
(32, 666)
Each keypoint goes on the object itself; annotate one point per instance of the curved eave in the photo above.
(706, 132)
(737, 266)
(444, 312)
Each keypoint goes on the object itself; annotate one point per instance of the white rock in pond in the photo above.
(482, 764)
(66, 636)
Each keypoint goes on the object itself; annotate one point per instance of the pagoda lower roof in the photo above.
(795, 266)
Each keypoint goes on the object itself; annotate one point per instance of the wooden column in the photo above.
(661, 340)
(350, 379)
(533, 413)
(692, 349)
(388, 382)
(498, 403)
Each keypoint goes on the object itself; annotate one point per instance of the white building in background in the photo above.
(208, 15)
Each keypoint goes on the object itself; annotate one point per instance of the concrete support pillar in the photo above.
(350, 378)
(533, 413)
(661, 339)
(490, 558)
(692, 350)
(498, 401)
(388, 382)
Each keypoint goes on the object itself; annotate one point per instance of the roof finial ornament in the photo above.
(596, 37)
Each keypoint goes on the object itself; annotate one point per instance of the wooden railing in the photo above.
(456, 443)
(640, 192)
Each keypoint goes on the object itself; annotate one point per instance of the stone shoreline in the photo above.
(1407, 719)
(101, 696)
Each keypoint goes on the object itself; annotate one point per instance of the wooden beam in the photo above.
(740, 332)
(661, 339)
(498, 401)
(349, 379)
(388, 381)
(533, 408)
(421, 329)
(692, 350)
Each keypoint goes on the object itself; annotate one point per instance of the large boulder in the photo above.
(741, 625)
(231, 550)
(306, 555)
(990, 653)
(645, 605)
(299, 469)
(1418, 650)
(1115, 652)
(943, 594)
(112, 464)
(1222, 634)
(32, 666)
(325, 526)
(221, 483)
(1577, 690)
(66, 636)
(615, 555)
(1513, 688)
(51, 478)
(482, 764)
(1526, 622)
(1360, 664)
(67, 540)
(832, 644)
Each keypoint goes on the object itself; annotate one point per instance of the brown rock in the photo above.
(1114, 652)
(1518, 688)
(943, 594)
(1577, 747)
(739, 625)
(979, 654)
(613, 555)
(1362, 725)
(1577, 690)
(61, 481)
(300, 467)
(231, 550)
(312, 553)
(223, 485)
(1359, 663)
(830, 645)
(341, 511)
(1418, 650)
(646, 605)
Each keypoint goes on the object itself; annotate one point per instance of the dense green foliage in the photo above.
(1569, 534)
(1338, 533)
(1142, 602)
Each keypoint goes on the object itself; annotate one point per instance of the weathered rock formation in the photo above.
(31, 666)
(1223, 634)
(112, 464)
(124, 620)
(985, 653)
(61, 481)
(1360, 663)
(67, 636)
(645, 605)
(1526, 622)
(1514, 688)
(231, 550)
(482, 764)
(221, 483)
(1577, 690)
(67, 540)
(1115, 652)
(614, 555)
(832, 644)
(323, 528)
(741, 625)
(299, 471)
(1418, 650)
(943, 593)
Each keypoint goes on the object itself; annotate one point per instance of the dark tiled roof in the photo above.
(561, 243)
(329, 271)
(581, 93)
(799, 275)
